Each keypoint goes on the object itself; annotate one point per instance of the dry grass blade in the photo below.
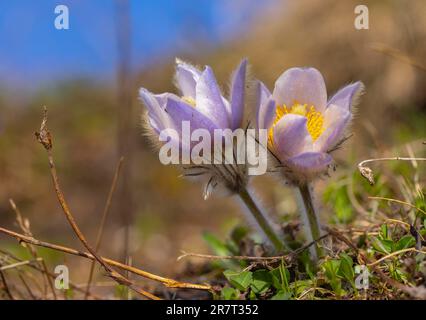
(395, 254)
(103, 221)
(400, 202)
(396, 54)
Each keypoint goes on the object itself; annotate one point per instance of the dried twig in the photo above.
(18, 264)
(252, 258)
(24, 224)
(48, 273)
(170, 283)
(367, 173)
(45, 138)
(27, 287)
(6, 286)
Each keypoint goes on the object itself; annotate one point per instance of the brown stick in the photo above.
(25, 227)
(103, 220)
(45, 138)
(170, 283)
(252, 258)
(48, 273)
(6, 286)
(26, 286)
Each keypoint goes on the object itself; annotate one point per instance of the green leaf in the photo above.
(384, 232)
(306, 261)
(215, 244)
(336, 195)
(382, 245)
(344, 211)
(346, 270)
(240, 280)
(238, 233)
(69, 293)
(405, 242)
(229, 293)
(261, 282)
(252, 296)
(330, 268)
(221, 249)
(281, 295)
(300, 286)
(280, 278)
(121, 291)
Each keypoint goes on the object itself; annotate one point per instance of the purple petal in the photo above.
(346, 96)
(180, 111)
(336, 119)
(310, 162)
(209, 99)
(238, 94)
(186, 78)
(302, 85)
(265, 107)
(266, 114)
(291, 136)
(155, 105)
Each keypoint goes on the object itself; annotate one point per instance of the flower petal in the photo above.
(266, 107)
(304, 85)
(209, 100)
(347, 96)
(309, 163)
(180, 111)
(291, 136)
(336, 119)
(238, 94)
(155, 104)
(186, 78)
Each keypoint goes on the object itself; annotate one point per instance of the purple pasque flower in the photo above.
(303, 127)
(202, 104)
(200, 101)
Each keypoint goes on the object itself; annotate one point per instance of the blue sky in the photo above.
(33, 51)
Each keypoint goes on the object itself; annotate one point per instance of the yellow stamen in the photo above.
(189, 100)
(315, 119)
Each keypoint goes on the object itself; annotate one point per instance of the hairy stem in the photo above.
(261, 220)
(310, 219)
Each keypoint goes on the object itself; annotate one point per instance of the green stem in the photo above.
(310, 218)
(261, 220)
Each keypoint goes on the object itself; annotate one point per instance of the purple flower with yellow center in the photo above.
(202, 104)
(303, 127)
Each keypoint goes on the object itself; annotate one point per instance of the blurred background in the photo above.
(88, 76)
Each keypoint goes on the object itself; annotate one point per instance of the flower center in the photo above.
(189, 100)
(315, 119)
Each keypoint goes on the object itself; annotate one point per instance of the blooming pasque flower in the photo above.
(303, 126)
(202, 104)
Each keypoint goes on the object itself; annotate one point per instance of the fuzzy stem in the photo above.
(261, 220)
(311, 220)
